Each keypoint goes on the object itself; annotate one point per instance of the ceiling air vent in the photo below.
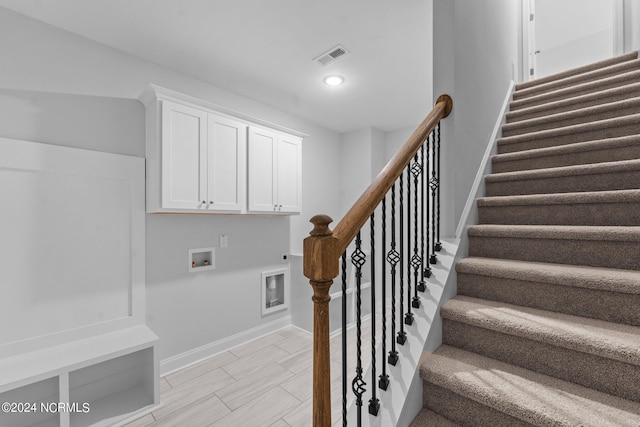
(331, 55)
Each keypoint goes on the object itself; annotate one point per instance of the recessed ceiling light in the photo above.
(334, 80)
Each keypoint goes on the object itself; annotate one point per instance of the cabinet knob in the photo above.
(210, 203)
(204, 202)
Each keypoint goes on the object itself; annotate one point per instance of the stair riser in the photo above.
(516, 114)
(557, 298)
(623, 180)
(465, 411)
(579, 70)
(426, 418)
(616, 214)
(596, 253)
(569, 121)
(577, 91)
(575, 80)
(612, 154)
(606, 375)
(504, 146)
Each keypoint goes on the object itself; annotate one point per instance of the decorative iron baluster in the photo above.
(344, 339)
(392, 258)
(402, 336)
(433, 183)
(408, 317)
(438, 244)
(425, 194)
(358, 384)
(422, 285)
(383, 382)
(374, 403)
(416, 262)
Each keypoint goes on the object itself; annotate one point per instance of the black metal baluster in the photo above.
(438, 244)
(402, 336)
(408, 317)
(392, 258)
(344, 339)
(416, 262)
(422, 286)
(425, 194)
(433, 183)
(358, 384)
(374, 403)
(383, 382)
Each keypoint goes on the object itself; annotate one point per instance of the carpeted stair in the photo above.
(545, 330)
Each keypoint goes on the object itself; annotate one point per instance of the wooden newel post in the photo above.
(321, 266)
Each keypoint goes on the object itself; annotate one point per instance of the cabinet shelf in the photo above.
(109, 409)
(45, 391)
(115, 373)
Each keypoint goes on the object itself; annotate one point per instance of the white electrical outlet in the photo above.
(224, 240)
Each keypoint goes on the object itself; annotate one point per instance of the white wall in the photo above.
(475, 58)
(631, 25)
(44, 68)
(97, 123)
(571, 33)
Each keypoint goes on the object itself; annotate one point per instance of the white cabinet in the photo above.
(103, 380)
(198, 159)
(203, 160)
(275, 172)
(227, 146)
(184, 161)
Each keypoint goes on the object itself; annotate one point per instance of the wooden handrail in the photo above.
(323, 248)
(362, 209)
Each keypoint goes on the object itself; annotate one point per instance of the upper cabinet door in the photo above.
(289, 156)
(201, 158)
(227, 142)
(262, 169)
(184, 156)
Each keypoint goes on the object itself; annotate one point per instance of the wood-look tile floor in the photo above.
(266, 382)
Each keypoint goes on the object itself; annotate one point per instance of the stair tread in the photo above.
(630, 56)
(558, 232)
(585, 169)
(605, 339)
(515, 115)
(590, 197)
(609, 279)
(579, 112)
(616, 79)
(526, 395)
(599, 144)
(631, 119)
(427, 418)
(566, 115)
(577, 78)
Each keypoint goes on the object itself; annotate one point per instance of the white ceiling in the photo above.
(263, 49)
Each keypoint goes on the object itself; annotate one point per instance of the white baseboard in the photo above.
(196, 355)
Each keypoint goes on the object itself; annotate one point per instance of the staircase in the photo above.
(545, 330)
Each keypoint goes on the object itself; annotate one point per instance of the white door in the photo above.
(289, 174)
(184, 156)
(262, 168)
(564, 34)
(227, 141)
